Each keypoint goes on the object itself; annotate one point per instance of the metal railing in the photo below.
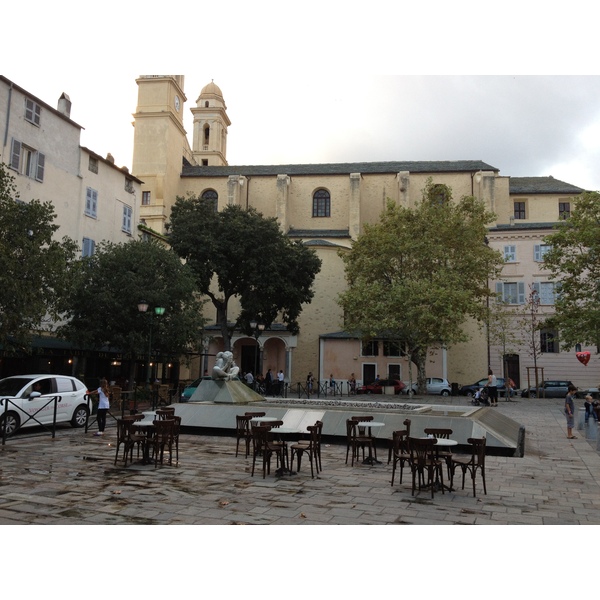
(6, 402)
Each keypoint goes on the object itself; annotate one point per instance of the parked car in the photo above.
(377, 386)
(435, 385)
(189, 390)
(550, 389)
(24, 396)
(469, 390)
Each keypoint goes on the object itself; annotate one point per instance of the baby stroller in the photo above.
(481, 397)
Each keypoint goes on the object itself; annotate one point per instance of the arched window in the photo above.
(321, 204)
(211, 196)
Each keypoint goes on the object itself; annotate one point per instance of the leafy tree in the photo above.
(529, 324)
(34, 266)
(502, 331)
(574, 261)
(103, 306)
(238, 253)
(419, 273)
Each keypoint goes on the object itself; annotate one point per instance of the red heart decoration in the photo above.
(583, 357)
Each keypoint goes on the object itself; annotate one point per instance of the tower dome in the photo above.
(211, 92)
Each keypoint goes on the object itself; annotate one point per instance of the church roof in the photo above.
(447, 166)
(211, 88)
(541, 185)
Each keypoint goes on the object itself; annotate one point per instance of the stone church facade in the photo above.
(326, 206)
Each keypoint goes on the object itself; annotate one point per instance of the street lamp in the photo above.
(158, 311)
(258, 328)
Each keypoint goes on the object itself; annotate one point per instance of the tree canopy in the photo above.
(574, 261)
(418, 273)
(238, 253)
(107, 287)
(35, 267)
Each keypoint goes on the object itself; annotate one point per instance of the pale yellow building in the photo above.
(326, 206)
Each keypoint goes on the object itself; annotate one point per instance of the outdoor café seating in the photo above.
(162, 440)
(472, 463)
(358, 439)
(426, 469)
(441, 433)
(400, 452)
(311, 450)
(129, 439)
(242, 432)
(265, 447)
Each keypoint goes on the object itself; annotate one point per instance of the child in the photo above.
(570, 410)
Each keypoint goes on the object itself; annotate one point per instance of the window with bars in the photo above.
(93, 165)
(145, 198)
(519, 210)
(321, 204)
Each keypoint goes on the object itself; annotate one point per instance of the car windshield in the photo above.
(12, 385)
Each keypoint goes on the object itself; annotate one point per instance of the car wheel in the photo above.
(445, 393)
(469, 394)
(80, 416)
(533, 394)
(10, 422)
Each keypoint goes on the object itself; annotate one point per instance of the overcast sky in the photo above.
(335, 82)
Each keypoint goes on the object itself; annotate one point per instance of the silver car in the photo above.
(435, 386)
(28, 401)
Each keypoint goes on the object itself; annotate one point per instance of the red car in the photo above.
(377, 386)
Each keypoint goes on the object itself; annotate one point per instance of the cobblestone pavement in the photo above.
(73, 480)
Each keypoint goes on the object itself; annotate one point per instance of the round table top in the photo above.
(370, 424)
(286, 430)
(264, 419)
(144, 423)
(444, 442)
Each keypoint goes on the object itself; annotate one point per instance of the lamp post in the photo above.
(258, 328)
(158, 311)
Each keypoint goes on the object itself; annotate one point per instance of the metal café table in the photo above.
(285, 434)
(440, 444)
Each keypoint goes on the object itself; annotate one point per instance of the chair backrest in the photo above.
(255, 414)
(176, 425)
(421, 450)
(478, 450)
(400, 441)
(163, 429)
(365, 418)
(259, 437)
(165, 413)
(406, 424)
(438, 432)
(242, 424)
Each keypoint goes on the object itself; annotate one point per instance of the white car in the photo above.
(435, 385)
(27, 401)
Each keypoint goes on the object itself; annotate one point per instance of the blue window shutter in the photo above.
(41, 162)
(521, 292)
(537, 254)
(15, 154)
(500, 291)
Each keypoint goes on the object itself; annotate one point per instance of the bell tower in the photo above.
(209, 146)
(159, 145)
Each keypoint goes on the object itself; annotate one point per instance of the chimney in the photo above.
(64, 105)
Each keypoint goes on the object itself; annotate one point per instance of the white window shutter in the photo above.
(521, 292)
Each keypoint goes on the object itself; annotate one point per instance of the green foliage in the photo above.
(108, 287)
(35, 267)
(239, 253)
(574, 262)
(419, 273)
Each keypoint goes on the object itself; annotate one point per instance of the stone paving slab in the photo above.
(73, 480)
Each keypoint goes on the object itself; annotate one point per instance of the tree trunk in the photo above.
(419, 356)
